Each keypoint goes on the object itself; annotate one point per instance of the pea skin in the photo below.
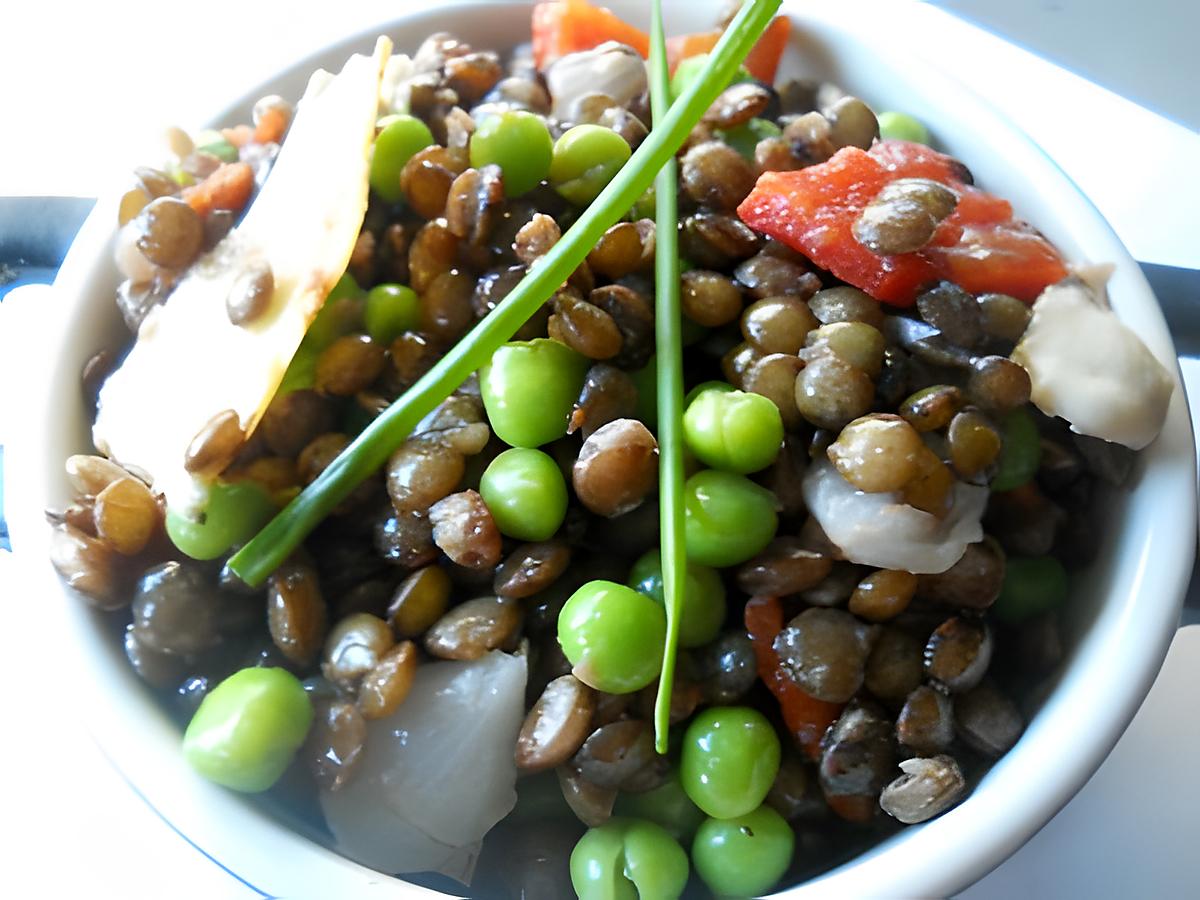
(248, 728)
(628, 858)
(585, 160)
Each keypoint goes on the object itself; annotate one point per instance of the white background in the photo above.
(76, 82)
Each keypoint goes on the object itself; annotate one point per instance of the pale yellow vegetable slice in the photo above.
(190, 362)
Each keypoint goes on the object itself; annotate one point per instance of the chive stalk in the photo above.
(668, 347)
(370, 450)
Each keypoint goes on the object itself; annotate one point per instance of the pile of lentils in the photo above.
(463, 544)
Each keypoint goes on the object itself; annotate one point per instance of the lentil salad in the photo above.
(897, 663)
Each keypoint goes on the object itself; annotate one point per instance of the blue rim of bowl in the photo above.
(162, 817)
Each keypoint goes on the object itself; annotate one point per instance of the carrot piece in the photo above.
(239, 135)
(271, 126)
(567, 26)
(762, 61)
(228, 187)
(683, 46)
(806, 717)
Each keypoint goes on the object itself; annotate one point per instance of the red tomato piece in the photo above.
(806, 717)
(567, 26)
(812, 210)
(979, 246)
(907, 159)
(1006, 258)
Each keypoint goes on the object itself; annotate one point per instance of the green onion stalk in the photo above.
(370, 450)
(669, 352)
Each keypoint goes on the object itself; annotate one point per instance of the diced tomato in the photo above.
(1006, 258)
(763, 60)
(812, 210)
(907, 159)
(806, 717)
(568, 26)
(979, 246)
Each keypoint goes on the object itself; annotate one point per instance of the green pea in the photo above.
(728, 518)
(519, 143)
(690, 69)
(613, 636)
(585, 160)
(301, 373)
(340, 314)
(730, 759)
(233, 514)
(1020, 451)
(645, 380)
(703, 597)
(598, 865)
(745, 137)
(901, 127)
(628, 859)
(529, 389)
(213, 142)
(645, 206)
(526, 494)
(248, 728)
(667, 805)
(395, 145)
(180, 177)
(744, 856)
(720, 386)
(654, 861)
(1032, 585)
(734, 431)
(391, 309)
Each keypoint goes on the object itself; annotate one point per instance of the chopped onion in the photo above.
(611, 68)
(131, 262)
(395, 88)
(1090, 368)
(878, 530)
(438, 773)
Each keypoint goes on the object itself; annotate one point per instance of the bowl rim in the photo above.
(1154, 582)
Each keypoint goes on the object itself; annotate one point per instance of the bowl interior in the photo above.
(1124, 608)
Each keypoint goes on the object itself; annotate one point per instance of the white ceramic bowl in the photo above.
(1125, 608)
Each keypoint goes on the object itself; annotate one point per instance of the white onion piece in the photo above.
(396, 86)
(131, 262)
(1088, 367)
(438, 773)
(611, 68)
(878, 530)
